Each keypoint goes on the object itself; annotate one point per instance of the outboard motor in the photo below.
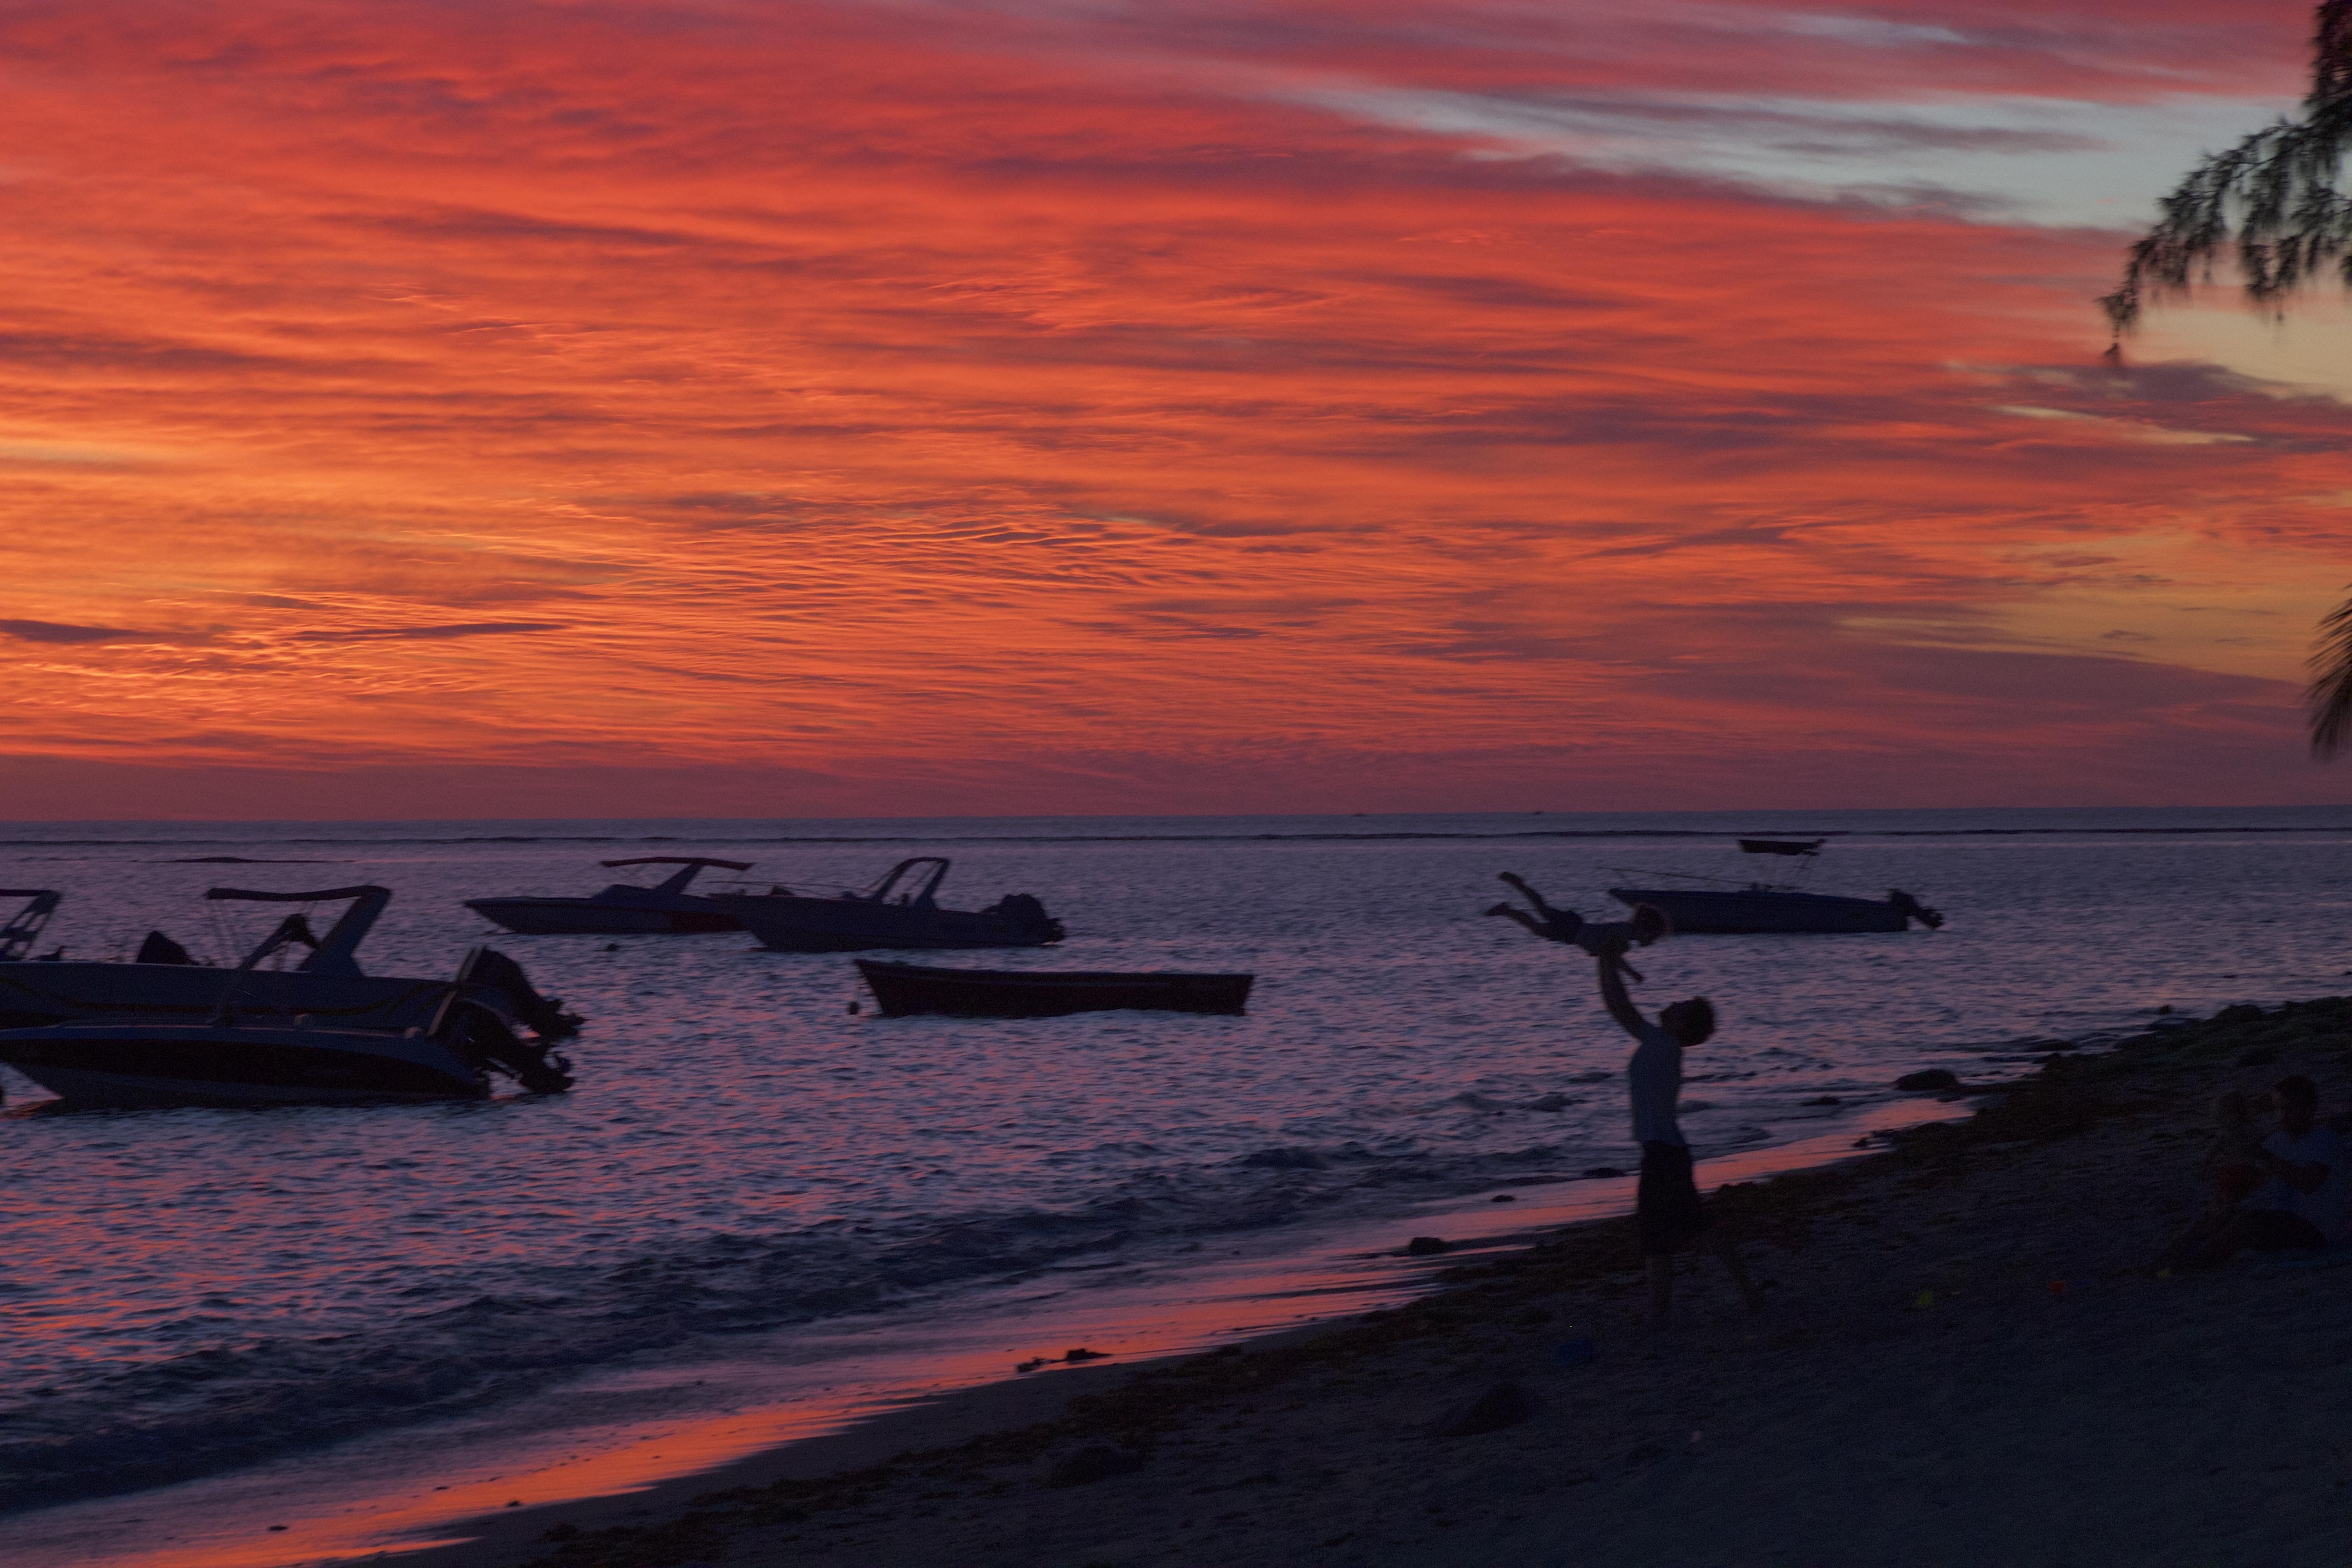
(1030, 916)
(1912, 908)
(483, 1039)
(490, 968)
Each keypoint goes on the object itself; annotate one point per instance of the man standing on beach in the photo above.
(1666, 1207)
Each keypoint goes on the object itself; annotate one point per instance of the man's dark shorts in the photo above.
(2275, 1230)
(1665, 1204)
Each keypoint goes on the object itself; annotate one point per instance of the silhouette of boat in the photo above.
(1733, 909)
(905, 988)
(165, 985)
(625, 909)
(226, 1060)
(901, 911)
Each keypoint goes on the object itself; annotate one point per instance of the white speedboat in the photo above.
(901, 911)
(625, 909)
(1732, 908)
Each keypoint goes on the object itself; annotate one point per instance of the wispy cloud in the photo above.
(1276, 386)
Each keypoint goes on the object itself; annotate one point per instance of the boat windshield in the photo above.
(17, 936)
(688, 867)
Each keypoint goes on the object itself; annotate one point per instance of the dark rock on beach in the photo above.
(1099, 1463)
(1505, 1405)
(1933, 1079)
(1425, 1247)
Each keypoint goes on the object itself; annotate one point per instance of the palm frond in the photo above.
(2329, 700)
(2270, 203)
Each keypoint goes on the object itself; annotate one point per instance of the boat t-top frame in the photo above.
(17, 936)
(923, 887)
(692, 867)
(333, 953)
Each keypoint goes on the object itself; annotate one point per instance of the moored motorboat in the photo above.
(165, 985)
(228, 1060)
(1735, 912)
(625, 909)
(901, 911)
(1731, 908)
(907, 988)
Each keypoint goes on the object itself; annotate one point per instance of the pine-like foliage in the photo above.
(2271, 203)
(2270, 200)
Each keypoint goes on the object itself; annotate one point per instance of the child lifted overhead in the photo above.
(1666, 1203)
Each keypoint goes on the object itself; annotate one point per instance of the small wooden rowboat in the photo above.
(904, 988)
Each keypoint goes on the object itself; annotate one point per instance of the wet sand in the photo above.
(1965, 1359)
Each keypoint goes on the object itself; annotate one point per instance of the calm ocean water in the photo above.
(184, 1292)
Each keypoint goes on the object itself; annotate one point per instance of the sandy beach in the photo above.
(1965, 1359)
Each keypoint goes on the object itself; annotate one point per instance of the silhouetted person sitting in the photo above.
(2305, 1205)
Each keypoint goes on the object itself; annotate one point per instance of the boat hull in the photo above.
(907, 988)
(34, 994)
(1760, 912)
(588, 917)
(133, 1065)
(790, 924)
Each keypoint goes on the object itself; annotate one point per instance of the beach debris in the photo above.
(1425, 1247)
(1932, 1078)
(1032, 1364)
(1099, 1463)
(1575, 1352)
(1503, 1404)
(1600, 1172)
(1503, 1198)
(276, 1527)
(1082, 1353)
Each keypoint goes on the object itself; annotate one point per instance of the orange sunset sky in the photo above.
(493, 407)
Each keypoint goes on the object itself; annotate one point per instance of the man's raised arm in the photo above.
(1613, 996)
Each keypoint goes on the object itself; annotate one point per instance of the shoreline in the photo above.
(1941, 1309)
(411, 1495)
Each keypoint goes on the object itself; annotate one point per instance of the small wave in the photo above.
(217, 1408)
